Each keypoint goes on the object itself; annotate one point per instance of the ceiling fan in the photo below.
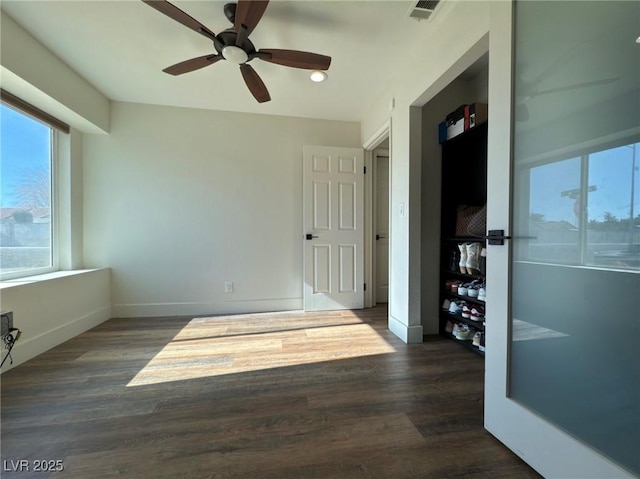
(527, 90)
(233, 44)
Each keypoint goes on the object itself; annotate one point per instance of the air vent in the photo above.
(423, 9)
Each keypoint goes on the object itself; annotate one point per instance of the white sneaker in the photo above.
(463, 257)
(464, 333)
(456, 328)
(477, 314)
(473, 254)
(455, 308)
(476, 339)
(482, 294)
(445, 304)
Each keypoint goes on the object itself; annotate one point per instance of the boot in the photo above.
(472, 261)
(463, 257)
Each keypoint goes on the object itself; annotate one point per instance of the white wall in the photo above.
(178, 201)
(456, 38)
(50, 309)
(61, 92)
(53, 308)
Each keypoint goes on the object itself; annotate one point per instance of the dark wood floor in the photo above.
(286, 395)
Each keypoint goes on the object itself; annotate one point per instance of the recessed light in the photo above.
(638, 40)
(318, 76)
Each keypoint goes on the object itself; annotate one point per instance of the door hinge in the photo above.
(365, 170)
(365, 286)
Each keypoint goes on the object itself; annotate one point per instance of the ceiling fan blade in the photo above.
(254, 83)
(295, 59)
(576, 86)
(192, 64)
(249, 13)
(241, 36)
(178, 15)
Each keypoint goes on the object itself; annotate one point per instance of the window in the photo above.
(27, 240)
(583, 210)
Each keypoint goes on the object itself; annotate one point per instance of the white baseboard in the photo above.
(199, 309)
(408, 334)
(32, 347)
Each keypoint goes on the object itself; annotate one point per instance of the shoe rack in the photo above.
(464, 182)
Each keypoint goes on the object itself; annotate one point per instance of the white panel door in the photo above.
(333, 222)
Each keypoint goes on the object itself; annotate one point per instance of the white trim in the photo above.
(138, 310)
(23, 280)
(408, 334)
(378, 136)
(369, 222)
(32, 347)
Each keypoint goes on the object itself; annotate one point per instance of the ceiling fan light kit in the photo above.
(235, 55)
(234, 45)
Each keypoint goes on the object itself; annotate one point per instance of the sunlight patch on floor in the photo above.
(218, 346)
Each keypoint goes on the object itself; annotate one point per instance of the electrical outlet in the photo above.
(6, 323)
(228, 286)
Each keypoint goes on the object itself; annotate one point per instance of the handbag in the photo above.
(464, 216)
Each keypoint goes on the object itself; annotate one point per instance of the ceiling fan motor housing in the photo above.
(230, 11)
(228, 39)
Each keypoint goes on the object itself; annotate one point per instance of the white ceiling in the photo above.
(121, 47)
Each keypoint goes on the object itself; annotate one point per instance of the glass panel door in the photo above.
(575, 269)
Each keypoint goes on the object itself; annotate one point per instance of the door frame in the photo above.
(380, 135)
(374, 212)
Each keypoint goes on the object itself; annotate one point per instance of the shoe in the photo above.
(449, 327)
(456, 328)
(462, 290)
(481, 347)
(477, 313)
(445, 304)
(473, 290)
(464, 333)
(466, 312)
(476, 339)
(463, 257)
(455, 308)
(471, 261)
(482, 293)
(454, 287)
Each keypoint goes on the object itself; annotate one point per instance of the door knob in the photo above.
(378, 237)
(310, 236)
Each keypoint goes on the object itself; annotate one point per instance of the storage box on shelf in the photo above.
(462, 119)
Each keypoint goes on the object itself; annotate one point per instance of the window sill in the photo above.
(10, 283)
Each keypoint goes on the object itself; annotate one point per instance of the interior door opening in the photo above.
(381, 229)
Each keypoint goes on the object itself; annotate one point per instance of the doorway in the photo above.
(381, 223)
